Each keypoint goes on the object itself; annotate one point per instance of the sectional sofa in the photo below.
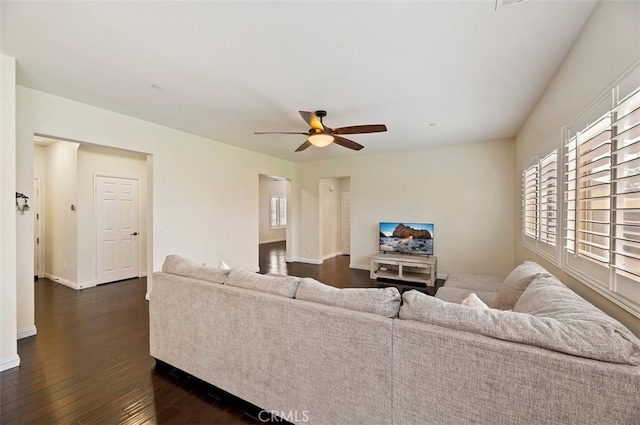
(520, 350)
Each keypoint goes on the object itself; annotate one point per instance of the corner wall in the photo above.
(466, 190)
(204, 192)
(8, 276)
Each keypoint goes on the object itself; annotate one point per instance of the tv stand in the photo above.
(408, 268)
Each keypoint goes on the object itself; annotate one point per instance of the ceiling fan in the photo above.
(320, 135)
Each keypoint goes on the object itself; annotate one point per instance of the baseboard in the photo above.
(360, 266)
(143, 274)
(271, 241)
(335, 254)
(27, 332)
(9, 363)
(302, 260)
(443, 276)
(65, 282)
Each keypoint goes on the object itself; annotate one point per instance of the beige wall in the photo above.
(61, 222)
(466, 190)
(608, 45)
(101, 161)
(205, 199)
(330, 199)
(8, 272)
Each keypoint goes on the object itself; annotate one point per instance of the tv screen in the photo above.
(406, 238)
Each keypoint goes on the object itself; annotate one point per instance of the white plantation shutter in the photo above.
(278, 211)
(570, 196)
(593, 202)
(539, 205)
(547, 195)
(530, 201)
(602, 199)
(282, 211)
(625, 256)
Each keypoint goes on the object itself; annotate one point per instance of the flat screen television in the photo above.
(406, 238)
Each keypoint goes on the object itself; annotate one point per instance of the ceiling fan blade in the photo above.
(281, 132)
(360, 129)
(303, 146)
(312, 119)
(347, 143)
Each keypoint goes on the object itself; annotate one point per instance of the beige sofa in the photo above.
(323, 355)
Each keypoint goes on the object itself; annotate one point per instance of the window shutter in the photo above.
(547, 195)
(626, 187)
(530, 201)
(273, 210)
(593, 170)
(283, 212)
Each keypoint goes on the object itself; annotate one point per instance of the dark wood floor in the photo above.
(90, 363)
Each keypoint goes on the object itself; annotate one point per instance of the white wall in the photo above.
(40, 172)
(608, 45)
(61, 222)
(203, 192)
(99, 160)
(269, 186)
(330, 195)
(8, 273)
(466, 190)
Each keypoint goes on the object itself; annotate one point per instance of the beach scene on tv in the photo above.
(406, 238)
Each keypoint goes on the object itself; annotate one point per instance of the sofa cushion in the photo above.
(474, 302)
(176, 264)
(474, 282)
(382, 301)
(283, 286)
(515, 284)
(607, 343)
(456, 295)
(573, 321)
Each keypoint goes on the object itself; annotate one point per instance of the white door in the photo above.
(117, 213)
(346, 222)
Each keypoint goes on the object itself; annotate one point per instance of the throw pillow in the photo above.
(176, 264)
(283, 286)
(382, 301)
(515, 284)
(473, 301)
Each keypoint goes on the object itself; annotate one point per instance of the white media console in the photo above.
(409, 268)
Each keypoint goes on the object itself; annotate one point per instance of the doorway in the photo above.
(68, 174)
(335, 217)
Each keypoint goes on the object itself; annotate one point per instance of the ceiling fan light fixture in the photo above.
(321, 140)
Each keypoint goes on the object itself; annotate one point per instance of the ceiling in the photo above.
(435, 72)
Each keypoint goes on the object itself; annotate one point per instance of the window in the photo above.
(539, 188)
(278, 211)
(593, 176)
(602, 202)
(625, 182)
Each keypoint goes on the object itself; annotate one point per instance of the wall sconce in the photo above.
(24, 207)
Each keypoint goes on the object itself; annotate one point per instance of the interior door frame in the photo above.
(343, 215)
(96, 176)
(38, 228)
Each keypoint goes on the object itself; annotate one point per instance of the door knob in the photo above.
(134, 234)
